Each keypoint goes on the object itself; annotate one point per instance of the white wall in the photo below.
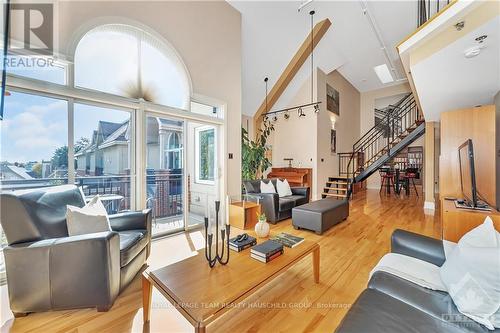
(347, 125)
(207, 36)
(307, 139)
(296, 137)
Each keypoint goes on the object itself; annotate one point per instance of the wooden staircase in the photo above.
(336, 187)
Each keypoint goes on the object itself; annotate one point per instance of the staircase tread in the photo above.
(335, 188)
(335, 195)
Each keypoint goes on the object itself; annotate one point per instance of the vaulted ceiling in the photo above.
(272, 31)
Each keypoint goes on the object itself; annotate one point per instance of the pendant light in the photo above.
(266, 117)
(299, 108)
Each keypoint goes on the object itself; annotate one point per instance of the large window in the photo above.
(34, 147)
(34, 140)
(39, 68)
(39, 127)
(126, 61)
(102, 149)
(205, 154)
(207, 110)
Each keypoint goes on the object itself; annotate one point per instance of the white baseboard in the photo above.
(429, 205)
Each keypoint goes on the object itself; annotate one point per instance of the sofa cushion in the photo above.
(286, 203)
(283, 188)
(377, 312)
(471, 274)
(252, 186)
(435, 304)
(91, 218)
(299, 199)
(267, 187)
(132, 242)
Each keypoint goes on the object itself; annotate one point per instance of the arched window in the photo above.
(174, 141)
(127, 61)
(174, 151)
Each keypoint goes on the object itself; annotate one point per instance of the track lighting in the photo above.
(314, 104)
(301, 113)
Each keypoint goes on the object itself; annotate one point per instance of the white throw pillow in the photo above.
(471, 274)
(93, 217)
(283, 188)
(267, 188)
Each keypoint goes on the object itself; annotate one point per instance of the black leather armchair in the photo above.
(49, 270)
(276, 208)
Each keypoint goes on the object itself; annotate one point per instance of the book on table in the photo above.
(287, 239)
(266, 251)
(239, 246)
(267, 259)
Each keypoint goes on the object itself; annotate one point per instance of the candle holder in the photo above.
(224, 235)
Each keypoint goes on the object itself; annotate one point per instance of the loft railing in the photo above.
(428, 8)
(400, 118)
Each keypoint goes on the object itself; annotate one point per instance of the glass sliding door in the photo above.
(202, 168)
(165, 173)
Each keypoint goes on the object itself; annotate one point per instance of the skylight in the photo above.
(383, 73)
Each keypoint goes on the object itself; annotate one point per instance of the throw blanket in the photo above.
(411, 269)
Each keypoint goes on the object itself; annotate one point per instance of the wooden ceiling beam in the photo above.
(291, 70)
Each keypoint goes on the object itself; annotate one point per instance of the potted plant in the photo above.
(262, 227)
(254, 161)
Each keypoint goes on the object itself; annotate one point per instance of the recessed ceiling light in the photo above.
(383, 73)
(481, 39)
(460, 25)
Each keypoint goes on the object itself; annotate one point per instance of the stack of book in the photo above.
(238, 246)
(287, 239)
(266, 251)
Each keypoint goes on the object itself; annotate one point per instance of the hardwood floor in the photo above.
(290, 303)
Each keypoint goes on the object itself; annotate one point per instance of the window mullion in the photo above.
(71, 143)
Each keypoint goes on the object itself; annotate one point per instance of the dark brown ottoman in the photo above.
(320, 215)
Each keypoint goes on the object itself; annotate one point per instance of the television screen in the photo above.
(467, 173)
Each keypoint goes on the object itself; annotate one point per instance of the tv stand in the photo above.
(456, 221)
(465, 204)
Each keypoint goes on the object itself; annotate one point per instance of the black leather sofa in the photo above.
(49, 270)
(392, 304)
(276, 208)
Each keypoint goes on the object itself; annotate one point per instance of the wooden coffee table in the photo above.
(202, 294)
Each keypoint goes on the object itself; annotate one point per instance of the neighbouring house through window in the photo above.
(205, 154)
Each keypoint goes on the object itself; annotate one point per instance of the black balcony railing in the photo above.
(164, 190)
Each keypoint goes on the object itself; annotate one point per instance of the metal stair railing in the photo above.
(378, 141)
